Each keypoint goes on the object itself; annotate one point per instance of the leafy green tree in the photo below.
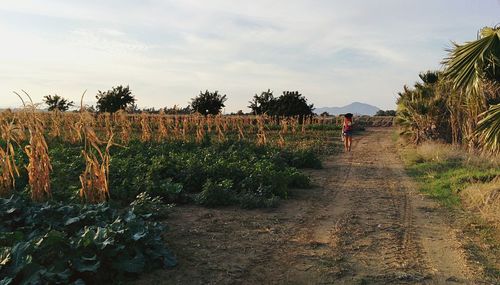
(265, 103)
(57, 102)
(118, 98)
(292, 103)
(208, 103)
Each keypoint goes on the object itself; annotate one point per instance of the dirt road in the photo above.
(364, 223)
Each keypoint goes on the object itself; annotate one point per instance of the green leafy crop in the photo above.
(59, 243)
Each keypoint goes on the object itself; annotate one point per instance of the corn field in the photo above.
(98, 133)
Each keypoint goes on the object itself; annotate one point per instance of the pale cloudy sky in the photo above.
(334, 52)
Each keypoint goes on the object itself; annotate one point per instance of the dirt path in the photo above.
(363, 224)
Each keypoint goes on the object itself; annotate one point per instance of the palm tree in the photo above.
(421, 110)
(471, 66)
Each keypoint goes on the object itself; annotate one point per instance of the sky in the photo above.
(333, 52)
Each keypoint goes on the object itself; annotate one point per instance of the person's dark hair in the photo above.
(348, 115)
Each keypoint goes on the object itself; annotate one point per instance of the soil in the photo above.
(364, 223)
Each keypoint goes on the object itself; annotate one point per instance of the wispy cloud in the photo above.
(335, 52)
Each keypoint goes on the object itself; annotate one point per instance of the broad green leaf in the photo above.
(133, 265)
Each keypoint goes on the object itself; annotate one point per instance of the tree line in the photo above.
(289, 103)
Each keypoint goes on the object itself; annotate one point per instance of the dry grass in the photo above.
(439, 152)
(484, 198)
(442, 152)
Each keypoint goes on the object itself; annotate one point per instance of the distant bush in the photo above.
(57, 102)
(390, 113)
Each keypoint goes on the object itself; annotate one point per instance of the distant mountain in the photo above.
(356, 108)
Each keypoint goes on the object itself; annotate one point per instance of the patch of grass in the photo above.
(444, 177)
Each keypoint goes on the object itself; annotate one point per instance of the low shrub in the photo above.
(216, 193)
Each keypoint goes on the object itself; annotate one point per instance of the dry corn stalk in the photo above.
(261, 132)
(219, 126)
(239, 125)
(146, 128)
(185, 128)
(94, 179)
(108, 125)
(282, 132)
(162, 129)
(82, 127)
(125, 126)
(8, 168)
(225, 125)
(39, 166)
(284, 126)
(294, 122)
(210, 122)
(200, 129)
(56, 119)
(304, 124)
(176, 127)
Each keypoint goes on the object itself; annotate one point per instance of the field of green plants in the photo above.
(66, 234)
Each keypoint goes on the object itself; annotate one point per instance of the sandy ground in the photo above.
(364, 223)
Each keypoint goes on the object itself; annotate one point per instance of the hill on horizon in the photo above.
(356, 108)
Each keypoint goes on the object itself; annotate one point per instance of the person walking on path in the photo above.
(347, 131)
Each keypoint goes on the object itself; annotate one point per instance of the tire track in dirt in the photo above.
(363, 224)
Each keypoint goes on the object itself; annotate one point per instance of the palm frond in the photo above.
(466, 64)
(488, 129)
